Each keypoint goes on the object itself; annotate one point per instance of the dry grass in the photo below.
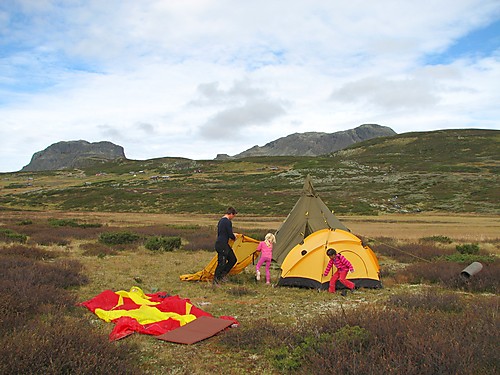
(465, 228)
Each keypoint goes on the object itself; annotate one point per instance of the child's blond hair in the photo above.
(270, 239)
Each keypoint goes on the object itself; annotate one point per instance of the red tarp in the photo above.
(151, 314)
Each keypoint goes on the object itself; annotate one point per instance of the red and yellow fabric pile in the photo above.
(135, 311)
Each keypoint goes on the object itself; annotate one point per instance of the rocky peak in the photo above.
(74, 154)
(316, 143)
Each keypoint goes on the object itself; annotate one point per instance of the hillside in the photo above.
(444, 171)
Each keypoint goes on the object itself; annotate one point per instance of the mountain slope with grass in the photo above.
(437, 171)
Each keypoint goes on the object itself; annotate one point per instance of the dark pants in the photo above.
(225, 260)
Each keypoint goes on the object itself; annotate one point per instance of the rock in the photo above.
(74, 154)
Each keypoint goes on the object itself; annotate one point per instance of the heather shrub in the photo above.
(439, 239)
(261, 334)
(200, 241)
(97, 249)
(62, 273)
(389, 340)
(448, 274)
(486, 280)
(49, 239)
(118, 238)
(428, 300)
(37, 334)
(440, 272)
(21, 301)
(161, 243)
(29, 252)
(64, 346)
(29, 287)
(413, 252)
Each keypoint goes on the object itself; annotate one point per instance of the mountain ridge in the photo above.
(81, 154)
(314, 143)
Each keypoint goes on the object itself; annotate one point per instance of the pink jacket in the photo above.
(340, 262)
(266, 251)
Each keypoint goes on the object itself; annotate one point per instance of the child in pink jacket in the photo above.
(266, 254)
(343, 266)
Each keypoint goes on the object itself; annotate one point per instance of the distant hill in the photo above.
(315, 143)
(438, 171)
(73, 154)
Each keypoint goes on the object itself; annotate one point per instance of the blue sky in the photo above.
(195, 78)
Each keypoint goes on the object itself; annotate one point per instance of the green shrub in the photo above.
(291, 359)
(72, 223)
(469, 258)
(161, 243)
(468, 248)
(118, 238)
(25, 222)
(440, 239)
(352, 335)
(8, 235)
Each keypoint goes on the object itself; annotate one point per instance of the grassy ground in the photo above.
(250, 302)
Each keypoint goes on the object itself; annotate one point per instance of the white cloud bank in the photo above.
(195, 78)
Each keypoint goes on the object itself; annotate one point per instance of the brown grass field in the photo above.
(242, 297)
(472, 228)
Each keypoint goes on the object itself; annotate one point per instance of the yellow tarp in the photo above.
(245, 249)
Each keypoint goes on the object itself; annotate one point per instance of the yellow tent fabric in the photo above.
(135, 294)
(305, 263)
(245, 249)
(144, 315)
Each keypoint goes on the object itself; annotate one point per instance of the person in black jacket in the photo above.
(225, 255)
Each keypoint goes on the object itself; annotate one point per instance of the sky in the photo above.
(197, 78)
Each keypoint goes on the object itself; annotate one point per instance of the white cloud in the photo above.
(166, 78)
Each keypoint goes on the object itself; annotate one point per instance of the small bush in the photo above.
(468, 248)
(291, 359)
(25, 222)
(118, 238)
(160, 243)
(8, 235)
(440, 239)
(353, 336)
(72, 223)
